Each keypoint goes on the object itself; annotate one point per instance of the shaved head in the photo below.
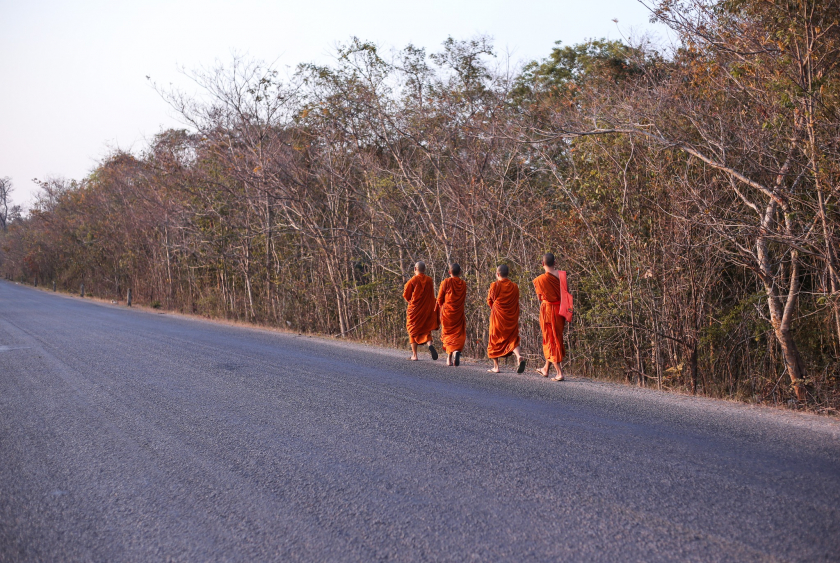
(420, 266)
(548, 259)
(455, 269)
(503, 270)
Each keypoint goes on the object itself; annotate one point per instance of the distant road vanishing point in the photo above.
(133, 436)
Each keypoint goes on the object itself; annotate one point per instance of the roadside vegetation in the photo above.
(691, 193)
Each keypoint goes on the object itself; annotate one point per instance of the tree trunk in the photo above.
(793, 362)
(248, 277)
(692, 368)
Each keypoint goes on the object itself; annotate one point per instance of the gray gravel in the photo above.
(134, 436)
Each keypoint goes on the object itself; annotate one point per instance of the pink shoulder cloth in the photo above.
(567, 303)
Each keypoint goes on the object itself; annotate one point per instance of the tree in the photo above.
(5, 201)
(743, 108)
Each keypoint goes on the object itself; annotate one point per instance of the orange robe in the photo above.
(453, 322)
(503, 299)
(555, 307)
(421, 318)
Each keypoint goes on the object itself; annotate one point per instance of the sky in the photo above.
(73, 83)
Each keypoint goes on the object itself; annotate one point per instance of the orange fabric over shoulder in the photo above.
(503, 299)
(453, 322)
(421, 317)
(552, 321)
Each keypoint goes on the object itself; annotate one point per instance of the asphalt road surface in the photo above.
(134, 436)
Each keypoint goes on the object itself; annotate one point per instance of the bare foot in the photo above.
(494, 370)
(558, 378)
(413, 358)
(542, 373)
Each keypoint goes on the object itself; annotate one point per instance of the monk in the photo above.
(453, 322)
(503, 299)
(555, 311)
(421, 318)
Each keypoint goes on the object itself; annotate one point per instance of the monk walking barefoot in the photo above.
(555, 311)
(453, 322)
(503, 299)
(421, 317)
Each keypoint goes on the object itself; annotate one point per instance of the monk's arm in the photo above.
(540, 296)
(442, 294)
(409, 289)
(490, 297)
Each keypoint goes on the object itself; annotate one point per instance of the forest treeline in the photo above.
(691, 195)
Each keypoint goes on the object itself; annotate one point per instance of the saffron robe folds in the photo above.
(453, 322)
(421, 317)
(503, 299)
(555, 310)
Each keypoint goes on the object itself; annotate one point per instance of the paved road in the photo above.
(134, 436)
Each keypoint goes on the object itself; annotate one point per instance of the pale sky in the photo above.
(73, 72)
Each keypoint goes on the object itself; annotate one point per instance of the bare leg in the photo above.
(544, 371)
(559, 372)
(449, 358)
(520, 361)
(413, 357)
(495, 366)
